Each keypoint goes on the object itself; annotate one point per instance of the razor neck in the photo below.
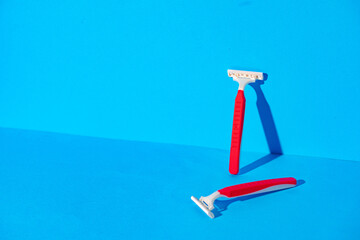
(209, 200)
(243, 82)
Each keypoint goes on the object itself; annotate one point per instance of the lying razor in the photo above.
(243, 78)
(207, 203)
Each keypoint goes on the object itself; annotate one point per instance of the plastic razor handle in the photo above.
(237, 129)
(258, 187)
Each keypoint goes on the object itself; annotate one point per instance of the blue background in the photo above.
(57, 186)
(156, 70)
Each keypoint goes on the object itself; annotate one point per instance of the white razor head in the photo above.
(203, 207)
(245, 74)
(245, 77)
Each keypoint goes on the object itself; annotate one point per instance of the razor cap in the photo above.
(203, 207)
(245, 74)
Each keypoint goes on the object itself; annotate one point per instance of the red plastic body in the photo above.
(237, 129)
(252, 187)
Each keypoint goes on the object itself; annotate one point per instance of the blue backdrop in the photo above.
(156, 71)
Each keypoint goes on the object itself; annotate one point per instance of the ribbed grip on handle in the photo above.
(237, 129)
(258, 186)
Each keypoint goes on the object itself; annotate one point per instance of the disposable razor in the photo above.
(243, 78)
(207, 203)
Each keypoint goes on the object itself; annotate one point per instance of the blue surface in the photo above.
(56, 186)
(99, 68)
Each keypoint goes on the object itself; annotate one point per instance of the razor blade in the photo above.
(245, 77)
(245, 74)
(202, 206)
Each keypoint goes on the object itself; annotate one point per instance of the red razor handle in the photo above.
(263, 186)
(237, 129)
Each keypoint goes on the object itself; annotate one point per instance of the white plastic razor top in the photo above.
(245, 77)
(202, 206)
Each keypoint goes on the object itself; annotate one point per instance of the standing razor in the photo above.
(243, 78)
(207, 203)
